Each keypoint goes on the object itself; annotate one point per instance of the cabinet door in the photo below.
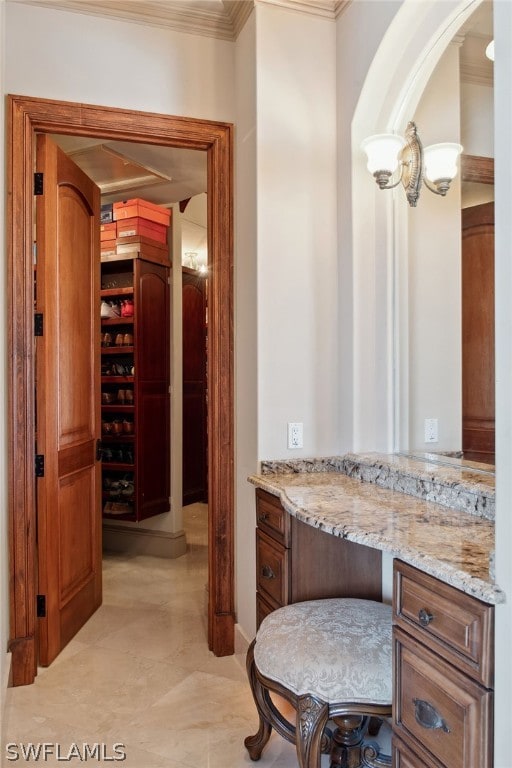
(152, 375)
(195, 484)
(439, 709)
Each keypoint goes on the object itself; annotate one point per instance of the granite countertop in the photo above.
(449, 543)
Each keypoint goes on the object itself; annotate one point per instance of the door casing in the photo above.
(26, 116)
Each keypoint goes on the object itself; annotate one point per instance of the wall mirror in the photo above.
(444, 332)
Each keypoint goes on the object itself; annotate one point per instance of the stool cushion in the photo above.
(337, 649)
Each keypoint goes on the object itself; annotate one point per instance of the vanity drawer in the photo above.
(438, 708)
(263, 608)
(271, 517)
(272, 569)
(403, 757)
(456, 626)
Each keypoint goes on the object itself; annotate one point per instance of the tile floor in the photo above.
(139, 674)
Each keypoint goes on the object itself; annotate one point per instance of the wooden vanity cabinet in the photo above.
(295, 561)
(442, 691)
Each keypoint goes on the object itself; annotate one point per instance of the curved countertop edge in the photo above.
(487, 591)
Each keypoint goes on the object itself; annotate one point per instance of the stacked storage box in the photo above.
(138, 228)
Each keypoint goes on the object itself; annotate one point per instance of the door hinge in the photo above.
(39, 463)
(99, 450)
(41, 606)
(38, 183)
(38, 324)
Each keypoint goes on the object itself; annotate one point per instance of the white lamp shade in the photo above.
(489, 51)
(440, 161)
(383, 152)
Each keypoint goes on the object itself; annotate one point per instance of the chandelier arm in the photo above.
(388, 185)
(432, 188)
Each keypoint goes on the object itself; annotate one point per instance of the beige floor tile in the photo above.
(140, 674)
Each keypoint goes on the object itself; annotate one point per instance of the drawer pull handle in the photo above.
(425, 617)
(428, 717)
(264, 516)
(267, 572)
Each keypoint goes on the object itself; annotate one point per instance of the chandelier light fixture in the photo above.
(435, 165)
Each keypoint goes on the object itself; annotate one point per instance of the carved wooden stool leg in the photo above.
(312, 715)
(374, 726)
(255, 744)
(373, 758)
(347, 740)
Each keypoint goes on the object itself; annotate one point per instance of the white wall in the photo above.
(298, 376)
(477, 119)
(363, 278)
(503, 230)
(120, 64)
(4, 537)
(246, 307)
(434, 295)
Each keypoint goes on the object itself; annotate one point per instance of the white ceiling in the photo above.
(123, 169)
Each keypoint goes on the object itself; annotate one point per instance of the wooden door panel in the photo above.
(152, 339)
(67, 395)
(153, 327)
(76, 564)
(154, 470)
(195, 465)
(478, 374)
(76, 304)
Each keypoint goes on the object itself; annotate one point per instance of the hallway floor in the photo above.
(139, 674)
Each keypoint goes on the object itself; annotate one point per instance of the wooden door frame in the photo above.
(26, 116)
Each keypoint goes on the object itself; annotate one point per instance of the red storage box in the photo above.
(108, 231)
(140, 227)
(108, 246)
(130, 209)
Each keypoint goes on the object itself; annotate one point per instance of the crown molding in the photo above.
(238, 13)
(475, 67)
(329, 9)
(324, 8)
(476, 74)
(223, 23)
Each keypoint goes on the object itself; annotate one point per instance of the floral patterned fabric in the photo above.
(337, 649)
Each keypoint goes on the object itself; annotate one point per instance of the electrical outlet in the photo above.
(295, 434)
(431, 431)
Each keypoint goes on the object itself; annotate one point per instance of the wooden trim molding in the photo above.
(476, 168)
(26, 117)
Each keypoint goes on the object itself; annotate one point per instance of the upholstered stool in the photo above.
(331, 659)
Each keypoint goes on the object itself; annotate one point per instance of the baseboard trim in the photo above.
(7, 681)
(242, 642)
(143, 541)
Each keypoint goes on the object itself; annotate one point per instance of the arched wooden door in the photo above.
(67, 399)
